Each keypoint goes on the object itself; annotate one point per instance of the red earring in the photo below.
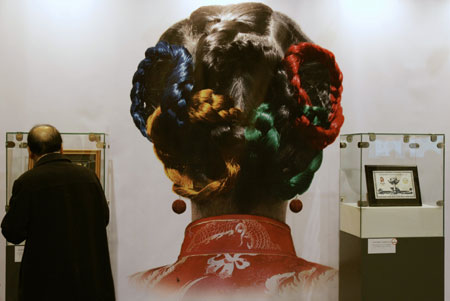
(296, 205)
(178, 206)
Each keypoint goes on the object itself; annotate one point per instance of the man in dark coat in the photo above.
(60, 209)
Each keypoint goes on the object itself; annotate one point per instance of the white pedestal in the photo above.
(377, 222)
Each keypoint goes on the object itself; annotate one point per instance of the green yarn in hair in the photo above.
(262, 131)
(301, 182)
(263, 157)
(317, 115)
(252, 134)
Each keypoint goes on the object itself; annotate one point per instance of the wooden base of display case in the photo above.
(415, 272)
(12, 273)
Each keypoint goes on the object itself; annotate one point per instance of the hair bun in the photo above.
(163, 79)
(318, 123)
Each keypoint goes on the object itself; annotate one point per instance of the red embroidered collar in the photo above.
(237, 234)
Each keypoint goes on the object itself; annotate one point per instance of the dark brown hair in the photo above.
(219, 104)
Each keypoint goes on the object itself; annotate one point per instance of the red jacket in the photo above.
(239, 255)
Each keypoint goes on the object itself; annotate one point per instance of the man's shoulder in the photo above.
(56, 172)
(82, 171)
(26, 176)
(72, 169)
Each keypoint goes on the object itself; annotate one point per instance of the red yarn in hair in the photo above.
(298, 54)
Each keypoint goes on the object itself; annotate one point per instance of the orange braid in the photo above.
(150, 121)
(205, 106)
(184, 186)
(210, 107)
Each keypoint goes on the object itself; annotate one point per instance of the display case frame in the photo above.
(424, 152)
(382, 245)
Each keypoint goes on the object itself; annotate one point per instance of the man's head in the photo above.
(44, 139)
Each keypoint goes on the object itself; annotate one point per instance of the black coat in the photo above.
(61, 211)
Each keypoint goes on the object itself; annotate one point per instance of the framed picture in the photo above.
(88, 158)
(392, 185)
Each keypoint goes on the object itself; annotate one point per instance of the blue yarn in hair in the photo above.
(176, 91)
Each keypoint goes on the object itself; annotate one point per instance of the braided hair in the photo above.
(238, 103)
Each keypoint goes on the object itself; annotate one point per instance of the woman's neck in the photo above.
(208, 208)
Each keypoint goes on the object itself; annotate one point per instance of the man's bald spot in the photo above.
(43, 139)
(43, 132)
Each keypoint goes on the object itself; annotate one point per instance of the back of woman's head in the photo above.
(238, 104)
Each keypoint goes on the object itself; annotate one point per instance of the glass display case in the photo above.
(87, 149)
(391, 215)
(416, 161)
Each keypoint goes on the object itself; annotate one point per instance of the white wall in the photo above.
(70, 63)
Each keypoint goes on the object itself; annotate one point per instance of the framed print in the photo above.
(392, 185)
(88, 158)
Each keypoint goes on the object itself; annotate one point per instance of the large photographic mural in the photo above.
(239, 104)
(76, 59)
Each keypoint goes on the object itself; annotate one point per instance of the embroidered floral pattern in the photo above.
(223, 264)
(302, 285)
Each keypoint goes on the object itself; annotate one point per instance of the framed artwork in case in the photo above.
(88, 158)
(392, 185)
